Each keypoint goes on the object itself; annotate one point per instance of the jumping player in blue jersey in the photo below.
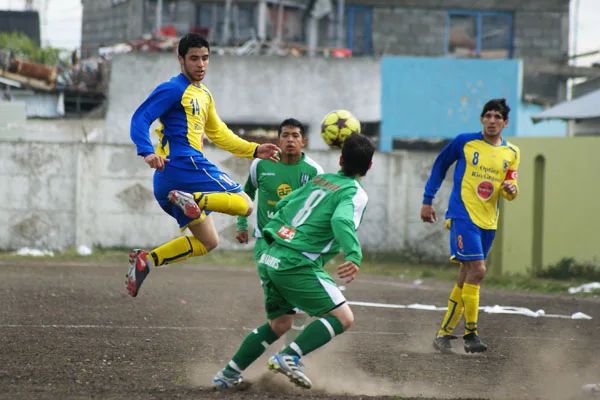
(185, 182)
(486, 167)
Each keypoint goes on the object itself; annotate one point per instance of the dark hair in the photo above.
(291, 122)
(497, 105)
(357, 153)
(191, 40)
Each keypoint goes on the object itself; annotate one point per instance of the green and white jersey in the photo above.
(321, 218)
(274, 181)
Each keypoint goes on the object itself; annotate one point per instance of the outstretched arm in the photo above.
(444, 160)
(218, 132)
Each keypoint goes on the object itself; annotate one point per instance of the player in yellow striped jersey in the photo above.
(486, 167)
(184, 177)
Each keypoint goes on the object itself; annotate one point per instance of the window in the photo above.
(479, 34)
(211, 18)
(359, 30)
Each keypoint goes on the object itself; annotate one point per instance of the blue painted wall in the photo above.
(526, 128)
(431, 98)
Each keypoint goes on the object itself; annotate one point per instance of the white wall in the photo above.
(60, 194)
(253, 89)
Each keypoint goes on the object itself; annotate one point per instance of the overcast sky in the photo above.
(62, 27)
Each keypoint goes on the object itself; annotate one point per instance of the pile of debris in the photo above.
(90, 75)
(251, 46)
(54, 91)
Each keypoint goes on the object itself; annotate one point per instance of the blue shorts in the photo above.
(468, 242)
(190, 174)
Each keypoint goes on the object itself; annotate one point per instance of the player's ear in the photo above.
(303, 141)
(370, 164)
(181, 60)
(341, 161)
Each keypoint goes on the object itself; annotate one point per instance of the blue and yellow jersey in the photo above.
(480, 169)
(186, 113)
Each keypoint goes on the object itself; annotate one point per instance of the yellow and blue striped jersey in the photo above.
(480, 170)
(186, 113)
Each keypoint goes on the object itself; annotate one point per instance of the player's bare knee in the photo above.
(281, 325)
(345, 315)
(210, 242)
(476, 272)
(347, 321)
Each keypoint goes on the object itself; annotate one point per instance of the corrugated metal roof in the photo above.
(584, 107)
(41, 105)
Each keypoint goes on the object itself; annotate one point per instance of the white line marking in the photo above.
(487, 309)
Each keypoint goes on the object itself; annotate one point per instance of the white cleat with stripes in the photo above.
(291, 367)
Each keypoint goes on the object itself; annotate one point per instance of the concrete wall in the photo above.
(563, 199)
(65, 192)
(253, 89)
(424, 97)
(61, 188)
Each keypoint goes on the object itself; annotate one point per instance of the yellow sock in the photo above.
(227, 203)
(177, 250)
(455, 311)
(470, 298)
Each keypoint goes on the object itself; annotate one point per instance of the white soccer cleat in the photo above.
(291, 367)
(223, 382)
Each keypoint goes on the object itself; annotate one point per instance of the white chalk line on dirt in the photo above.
(487, 309)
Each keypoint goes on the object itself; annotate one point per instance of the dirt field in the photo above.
(71, 332)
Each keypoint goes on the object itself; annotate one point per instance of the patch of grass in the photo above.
(119, 256)
(523, 283)
(570, 269)
(555, 278)
(176, 380)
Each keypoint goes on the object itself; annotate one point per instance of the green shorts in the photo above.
(259, 248)
(293, 281)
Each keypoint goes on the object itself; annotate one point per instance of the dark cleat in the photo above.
(442, 344)
(473, 344)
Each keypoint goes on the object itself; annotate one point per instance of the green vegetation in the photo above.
(553, 279)
(23, 48)
(570, 269)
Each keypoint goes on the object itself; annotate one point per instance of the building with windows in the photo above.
(537, 32)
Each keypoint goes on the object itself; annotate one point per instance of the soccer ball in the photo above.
(337, 126)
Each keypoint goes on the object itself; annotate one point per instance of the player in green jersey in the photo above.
(273, 182)
(312, 224)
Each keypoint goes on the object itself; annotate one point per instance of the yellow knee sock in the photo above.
(227, 203)
(454, 313)
(470, 298)
(177, 250)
